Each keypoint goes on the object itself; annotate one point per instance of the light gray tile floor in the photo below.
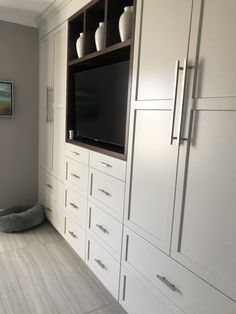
(41, 274)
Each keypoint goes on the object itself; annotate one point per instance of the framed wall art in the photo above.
(6, 99)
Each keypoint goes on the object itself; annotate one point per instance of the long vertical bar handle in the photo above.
(185, 68)
(176, 81)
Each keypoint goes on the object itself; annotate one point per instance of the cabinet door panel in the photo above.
(45, 69)
(60, 58)
(153, 178)
(217, 45)
(204, 228)
(45, 141)
(163, 40)
(59, 143)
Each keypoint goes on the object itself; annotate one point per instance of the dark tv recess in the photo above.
(100, 105)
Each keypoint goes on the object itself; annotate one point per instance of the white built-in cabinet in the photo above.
(52, 103)
(160, 232)
(181, 166)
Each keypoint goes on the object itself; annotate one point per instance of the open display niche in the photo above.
(98, 83)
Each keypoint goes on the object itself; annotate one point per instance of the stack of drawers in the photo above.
(105, 214)
(76, 189)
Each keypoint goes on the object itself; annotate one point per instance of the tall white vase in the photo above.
(99, 37)
(125, 23)
(80, 45)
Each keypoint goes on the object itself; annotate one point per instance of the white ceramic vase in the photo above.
(99, 36)
(80, 45)
(125, 23)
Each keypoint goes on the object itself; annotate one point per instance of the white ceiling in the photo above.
(22, 11)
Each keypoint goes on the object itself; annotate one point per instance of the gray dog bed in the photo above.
(21, 217)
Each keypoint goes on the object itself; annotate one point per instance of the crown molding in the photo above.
(50, 11)
(18, 17)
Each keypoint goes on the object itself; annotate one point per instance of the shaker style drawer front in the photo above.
(137, 299)
(106, 228)
(76, 237)
(105, 267)
(52, 188)
(77, 153)
(108, 190)
(55, 215)
(186, 290)
(76, 206)
(77, 175)
(112, 166)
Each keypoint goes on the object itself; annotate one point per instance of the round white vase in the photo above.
(99, 37)
(125, 23)
(80, 45)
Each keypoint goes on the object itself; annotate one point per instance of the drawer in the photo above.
(55, 215)
(105, 267)
(77, 175)
(112, 166)
(108, 229)
(108, 191)
(138, 299)
(75, 236)
(76, 206)
(77, 153)
(185, 289)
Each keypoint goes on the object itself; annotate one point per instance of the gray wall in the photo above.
(19, 135)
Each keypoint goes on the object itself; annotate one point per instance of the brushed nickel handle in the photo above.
(50, 101)
(74, 206)
(100, 263)
(183, 92)
(104, 192)
(105, 164)
(73, 234)
(167, 283)
(49, 209)
(176, 83)
(102, 228)
(77, 154)
(75, 175)
(49, 186)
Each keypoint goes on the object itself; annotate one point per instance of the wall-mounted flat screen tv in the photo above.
(100, 102)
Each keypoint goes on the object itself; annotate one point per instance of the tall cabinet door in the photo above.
(161, 39)
(45, 104)
(59, 99)
(204, 237)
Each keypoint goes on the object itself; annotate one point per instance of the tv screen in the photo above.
(101, 103)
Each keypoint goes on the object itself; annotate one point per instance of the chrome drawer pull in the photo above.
(168, 284)
(100, 263)
(75, 175)
(49, 186)
(105, 164)
(48, 209)
(104, 192)
(74, 206)
(102, 228)
(73, 235)
(77, 154)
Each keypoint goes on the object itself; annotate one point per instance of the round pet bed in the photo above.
(21, 217)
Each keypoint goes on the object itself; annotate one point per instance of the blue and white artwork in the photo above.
(6, 99)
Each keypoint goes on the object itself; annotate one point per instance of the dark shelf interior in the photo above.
(93, 16)
(113, 54)
(114, 11)
(76, 27)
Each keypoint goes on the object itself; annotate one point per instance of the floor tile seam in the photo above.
(100, 308)
(30, 246)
